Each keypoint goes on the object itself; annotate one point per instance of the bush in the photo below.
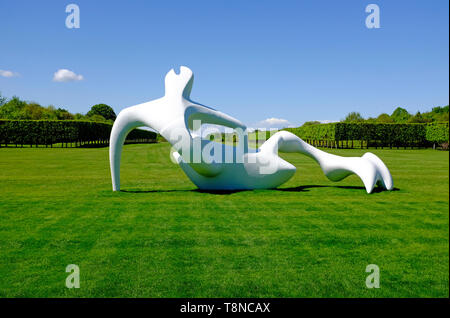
(354, 117)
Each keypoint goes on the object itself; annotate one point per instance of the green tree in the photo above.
(32, 111)
(79, 116)
(103, 110)
(440, 110)
(384, 119)
(2, 99)
(418, 118)
(354, 117)
(442, 117)
(63, 114)
(96, 118)
(309, 123)
(13, 109)
(439, 114)
(400, 115)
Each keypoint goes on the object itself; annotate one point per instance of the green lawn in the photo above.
(162, 238)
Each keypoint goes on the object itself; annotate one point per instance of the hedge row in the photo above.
(45, 132)
(315, 132)
(377, 134)
(49, 132)
(437, 132)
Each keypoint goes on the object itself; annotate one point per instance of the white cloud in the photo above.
(279, 123)
(327, 121)
(64, 75)
(273, 123)
(5, 73)
(322, 121)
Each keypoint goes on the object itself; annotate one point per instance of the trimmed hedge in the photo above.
(48, 132)
(381, 135)
(437, 132)
(316, 132)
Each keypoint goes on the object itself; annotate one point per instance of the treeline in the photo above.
(17, 109)
(398, 116)
(28, 123)
(349, 135)
(65, 133)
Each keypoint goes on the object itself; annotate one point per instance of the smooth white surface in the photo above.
(173, 115)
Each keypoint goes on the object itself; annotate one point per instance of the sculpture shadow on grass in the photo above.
(219, 192)
(304, 188)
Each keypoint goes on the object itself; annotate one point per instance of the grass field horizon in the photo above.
(161, 237)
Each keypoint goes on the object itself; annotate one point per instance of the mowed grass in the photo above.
(162, 238)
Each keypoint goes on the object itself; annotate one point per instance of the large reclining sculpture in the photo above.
(174, 116)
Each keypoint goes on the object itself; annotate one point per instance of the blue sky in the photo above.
(290, 60)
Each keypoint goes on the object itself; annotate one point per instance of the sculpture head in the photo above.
(179, 85)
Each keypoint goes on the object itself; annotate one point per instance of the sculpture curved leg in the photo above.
(124, 123)
(369, 167)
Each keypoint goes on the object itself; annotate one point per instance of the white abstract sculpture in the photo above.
(173, 117)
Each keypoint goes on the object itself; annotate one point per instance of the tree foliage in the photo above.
(402, 116)
(384, 119)
(309, 123)
(17, 109)
(353, 117)
(2, 99)
(102, 110)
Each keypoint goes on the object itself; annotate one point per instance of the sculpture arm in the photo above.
(211, 116)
